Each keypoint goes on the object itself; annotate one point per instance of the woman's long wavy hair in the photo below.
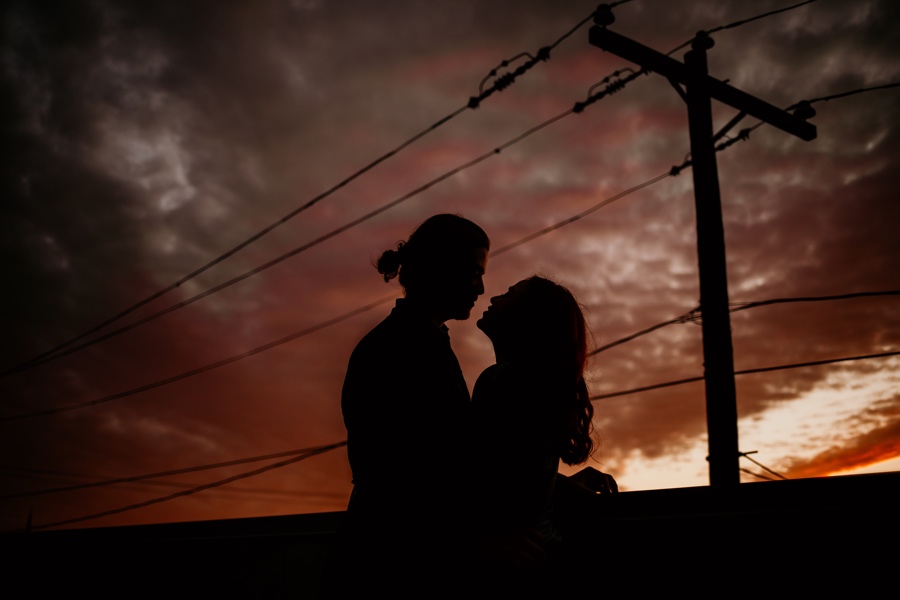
(553, 333)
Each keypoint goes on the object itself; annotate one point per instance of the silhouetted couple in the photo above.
(451, 495)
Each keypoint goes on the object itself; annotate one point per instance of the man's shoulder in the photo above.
(388, 331)
(396, 336)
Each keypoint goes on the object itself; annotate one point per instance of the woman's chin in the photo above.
(484, 324)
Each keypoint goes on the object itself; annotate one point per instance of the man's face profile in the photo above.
(463, 283)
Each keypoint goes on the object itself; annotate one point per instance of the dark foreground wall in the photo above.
(801, 537)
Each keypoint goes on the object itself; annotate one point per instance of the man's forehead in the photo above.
(479, 259)
(469, 259)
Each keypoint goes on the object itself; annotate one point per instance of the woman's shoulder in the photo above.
(515, 380)
(503, 374)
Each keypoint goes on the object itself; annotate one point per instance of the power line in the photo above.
(45, 474)
(738, 306)
(579, 216)
(505, 80)
(277, 465)
(854, 92)
(500, 84)
(746, 372)
(760, 16)
(194, 469)
(647, 388)
(203, 369)
(741, 22)
(757, 475)
(685, 318)
(759, 464)
(695, 314)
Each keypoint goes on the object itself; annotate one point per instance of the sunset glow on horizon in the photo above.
(145, 140)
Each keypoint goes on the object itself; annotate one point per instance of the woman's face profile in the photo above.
(500, 317)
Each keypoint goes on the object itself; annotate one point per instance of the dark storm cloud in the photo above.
(63, 216)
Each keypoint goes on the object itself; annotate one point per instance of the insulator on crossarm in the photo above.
(702, 41)
(804, 110)
(603, 16)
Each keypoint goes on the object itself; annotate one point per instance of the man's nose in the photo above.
(479, 285)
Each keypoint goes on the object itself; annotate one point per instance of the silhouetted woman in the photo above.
(405, 405)
(530, 410)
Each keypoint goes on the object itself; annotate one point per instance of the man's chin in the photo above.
(463, 314)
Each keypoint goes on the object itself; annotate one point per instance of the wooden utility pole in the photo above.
(699, 90)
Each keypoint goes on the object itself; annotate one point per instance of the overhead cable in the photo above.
(757, 17)
(757, 475)
(45, 474)
(759, 464)
(579, 216)
(852, 93)
(746, 372)
(277, 465)
(203, 369)
(133, 478)
(739, 23)
(695, 314)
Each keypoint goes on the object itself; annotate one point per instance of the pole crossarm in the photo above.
(676, 72)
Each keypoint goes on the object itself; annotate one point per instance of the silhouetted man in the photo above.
(405, 405)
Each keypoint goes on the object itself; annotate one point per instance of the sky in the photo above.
(145, 140)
